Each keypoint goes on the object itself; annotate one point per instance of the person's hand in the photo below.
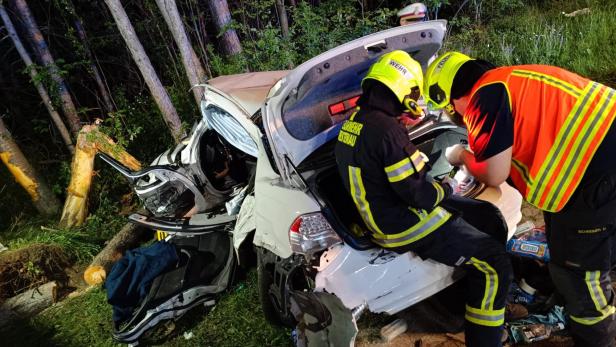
(454, 154)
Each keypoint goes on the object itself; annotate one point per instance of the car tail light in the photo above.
(343, 106)
(311, 233)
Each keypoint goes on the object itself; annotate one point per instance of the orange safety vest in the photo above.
(559, 121)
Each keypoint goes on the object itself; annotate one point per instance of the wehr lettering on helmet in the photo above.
(400, 68)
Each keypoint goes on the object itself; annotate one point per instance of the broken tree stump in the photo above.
(29, 303)
(130, 236)
(90, 141)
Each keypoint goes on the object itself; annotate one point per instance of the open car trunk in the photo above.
(307, 108)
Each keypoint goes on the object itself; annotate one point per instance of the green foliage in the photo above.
(543, 35)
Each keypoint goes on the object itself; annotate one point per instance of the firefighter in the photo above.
(401, 205)
(550, 131)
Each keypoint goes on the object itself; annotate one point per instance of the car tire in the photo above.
(265, 282)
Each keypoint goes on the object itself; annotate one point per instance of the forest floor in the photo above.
(83, 318)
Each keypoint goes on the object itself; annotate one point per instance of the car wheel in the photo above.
(273, 293)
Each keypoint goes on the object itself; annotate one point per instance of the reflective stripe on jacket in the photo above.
(559, 118)
(386, 178)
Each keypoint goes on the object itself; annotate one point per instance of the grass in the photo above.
(236, 320)
(544, 35)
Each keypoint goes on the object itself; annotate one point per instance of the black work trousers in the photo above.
(475, 240)
(582, 252)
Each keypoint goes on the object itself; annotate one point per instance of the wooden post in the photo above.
(42, 197)
(192, 65)
(70, 112)
(55, 117)
(89, 142)
(222, 18)
(147, 70)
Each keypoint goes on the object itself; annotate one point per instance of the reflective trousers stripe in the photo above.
(358, 193)
(423, 228)
(571, 151)
(491, 279)
(405, 167)
(490, 318)
(597, 295)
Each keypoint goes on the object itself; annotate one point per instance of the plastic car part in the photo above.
(311, 233)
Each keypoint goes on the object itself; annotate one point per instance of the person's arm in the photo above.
(405, 168)
(490, 128)
(492, 171)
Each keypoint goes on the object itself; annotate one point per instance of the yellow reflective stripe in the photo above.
(491, 318)
(592, 279)
(354, 114)
(550, 80)
(580, 147)
(560, 143)
(358, 192)
(491, 282)
(423, 228)
(594, 287)
(405, 167)
(606, 312)
(440, 192)
(523, 170)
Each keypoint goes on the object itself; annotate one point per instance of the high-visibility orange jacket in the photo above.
(559, 120)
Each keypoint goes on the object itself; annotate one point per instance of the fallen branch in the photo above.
(29, 303)
(130, 236)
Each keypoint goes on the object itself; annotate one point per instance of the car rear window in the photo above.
(307, 111)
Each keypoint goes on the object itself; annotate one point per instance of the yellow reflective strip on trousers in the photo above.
(491, 318)
(608, 311)
(358, 193)
(423, 228)
(551, 80)
(491, 286)
(580, 148)
(593, 282)
(556, 152)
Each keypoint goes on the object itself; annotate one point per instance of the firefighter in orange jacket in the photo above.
(551, 132)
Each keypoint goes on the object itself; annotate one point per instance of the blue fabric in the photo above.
(553, 317)
(131, 277)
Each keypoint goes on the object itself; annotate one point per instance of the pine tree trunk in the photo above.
(282, 15)
(192, 65)
(42, 197)
(222, 18)
(98, 78)
(70, 112)
(147, 70)
(55, 117)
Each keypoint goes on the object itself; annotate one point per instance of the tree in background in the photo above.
(222, 20)
(192, 65)
(147, 70)
(42, 197)
(36, 80)
(44, 55)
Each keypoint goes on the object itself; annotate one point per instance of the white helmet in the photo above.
(412, 13)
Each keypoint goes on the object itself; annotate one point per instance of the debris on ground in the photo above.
(576, 13)
(25, 268)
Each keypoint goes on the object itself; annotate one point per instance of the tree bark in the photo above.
(28, 303)
(192, 65)
(42, 197)
(55, 117)
(98, 78)
(147, 70)
(130, 236)
(70, 111)
(89, 142)
(222, 19)
(282, 15)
